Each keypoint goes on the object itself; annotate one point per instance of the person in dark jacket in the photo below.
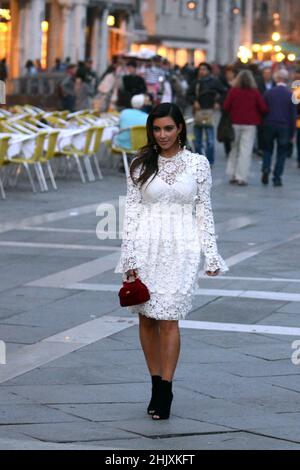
(227, 79)
(246, 107)
(131, 84)
(279, 126)
(66, 89)
(3, 70)
(203, 94)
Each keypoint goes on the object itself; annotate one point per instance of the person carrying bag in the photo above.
(101, 102)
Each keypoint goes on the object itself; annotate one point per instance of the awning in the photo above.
(173, 43)
(183, 44)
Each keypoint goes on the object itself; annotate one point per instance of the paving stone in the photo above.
(116, 392)
(281, 319)
(74, 375)
(162, 429)
(236, 310)
(67, 432)
(27, 413)
(23, 334)
(291, 307)
(230, 441)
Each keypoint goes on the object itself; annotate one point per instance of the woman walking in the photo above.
(246, 107)
(168, 223)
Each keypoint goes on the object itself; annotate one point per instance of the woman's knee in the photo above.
(167, 326)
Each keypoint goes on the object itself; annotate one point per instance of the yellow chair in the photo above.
(4, 142)
(138, 136)
(86, 153)
(34, 161)
(49, 154)
(56, 121)
(95, 146)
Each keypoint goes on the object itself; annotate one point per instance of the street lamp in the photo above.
(191, 5)
(236, 10)
(276, 37)
(111, 20)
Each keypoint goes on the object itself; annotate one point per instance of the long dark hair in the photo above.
(148, 155)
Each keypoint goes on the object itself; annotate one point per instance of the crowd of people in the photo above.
(254, 102)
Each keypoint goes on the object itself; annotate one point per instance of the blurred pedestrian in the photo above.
(38, 65)
(154, 77)
(103, 99)
(246, 107)
(91, 76)
(30, 68)
(58, 67)
(268, 79)
(203, 94)
(227, 79)
(84, 91)
(66, 89)
(3, 70)
(179, 88)
(131, 84)
(279, 127)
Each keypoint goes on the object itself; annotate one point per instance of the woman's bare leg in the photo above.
(169, 340)
(149, 337)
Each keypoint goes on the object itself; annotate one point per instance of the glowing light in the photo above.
(162, 51)
(181, 57)
(199, 56)
(3, 28)
(276, 16)
(291, 57)
(236, 11)
(277, 48)
(5, 14)
(276, 37)
(244, 54)
(256, 47)
(44, 26)
(267, 48)
(192, 5)
(280, 57)
(111, 20)
(44, 45)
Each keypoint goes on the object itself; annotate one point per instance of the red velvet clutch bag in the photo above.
(133, 293)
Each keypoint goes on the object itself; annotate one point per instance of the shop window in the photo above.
(181, 57)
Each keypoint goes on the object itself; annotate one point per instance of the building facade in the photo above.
(276, 15)
(48, 29)
(211, 31)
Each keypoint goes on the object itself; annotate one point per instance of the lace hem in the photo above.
(215, 262)
(164, 307)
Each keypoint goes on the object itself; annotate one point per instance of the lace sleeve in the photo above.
(205, 220)
(131, 217)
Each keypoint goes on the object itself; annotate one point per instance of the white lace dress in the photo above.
(168, 224)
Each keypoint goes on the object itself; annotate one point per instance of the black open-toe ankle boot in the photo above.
(156, 379)
(164, 400)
